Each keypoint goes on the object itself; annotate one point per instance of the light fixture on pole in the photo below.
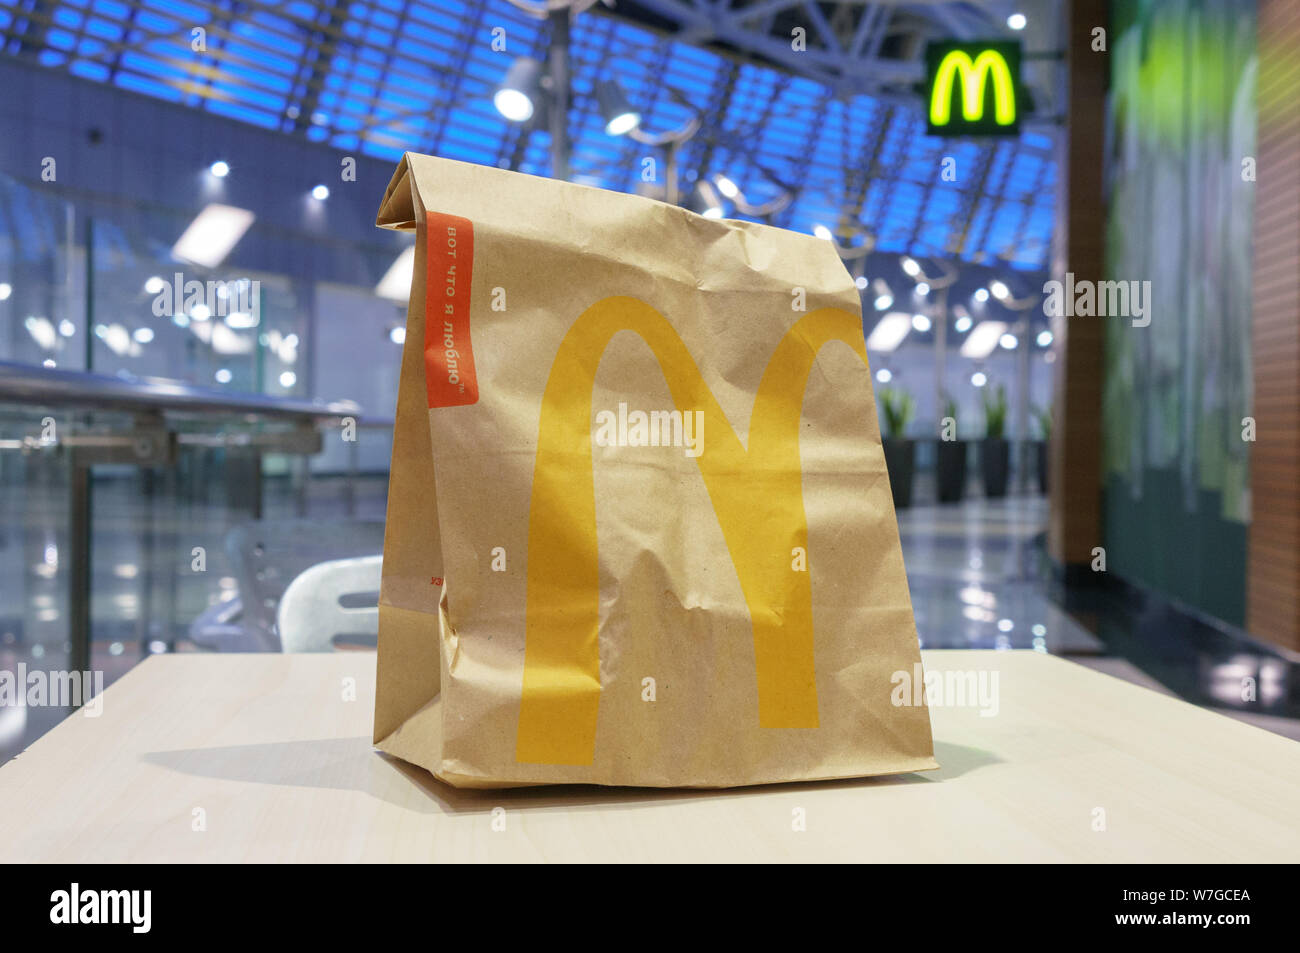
(884, 295)
(705, 200)
(517, 96)
(620, 118)
(671, 142)
(763, 211)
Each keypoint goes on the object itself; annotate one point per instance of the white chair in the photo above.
(331, 601)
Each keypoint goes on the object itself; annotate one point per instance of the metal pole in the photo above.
(940, 354)
(671, 193)
(148, 550)
(79, 516)
(1022, 404)
(559, 75)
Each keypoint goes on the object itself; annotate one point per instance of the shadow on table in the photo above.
(353, 764)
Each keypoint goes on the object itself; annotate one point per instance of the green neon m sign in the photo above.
(973, 89)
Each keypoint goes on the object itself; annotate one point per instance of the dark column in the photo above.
(1074, 526)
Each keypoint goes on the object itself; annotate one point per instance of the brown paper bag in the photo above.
(639, 525)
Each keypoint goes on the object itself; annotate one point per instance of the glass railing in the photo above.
(166, 468)
(140, 517)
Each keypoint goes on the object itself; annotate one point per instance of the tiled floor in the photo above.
(976, 572)
(978, 578)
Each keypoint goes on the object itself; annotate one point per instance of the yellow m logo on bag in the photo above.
(756, 492)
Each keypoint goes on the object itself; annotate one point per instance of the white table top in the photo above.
(279, 767)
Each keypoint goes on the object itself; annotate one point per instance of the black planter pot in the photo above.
(950, 466)
(995, 465)
(900, 460)
(1041, 449)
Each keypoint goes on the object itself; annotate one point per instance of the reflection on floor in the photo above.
(976, 570)
(976, 579)
(977, 574)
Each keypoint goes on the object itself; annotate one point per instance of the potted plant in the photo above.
(950, 458)
(897, 408)
(995, 451)
(1044, 417)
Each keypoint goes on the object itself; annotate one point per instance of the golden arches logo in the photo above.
(987, 65)
(757, 496)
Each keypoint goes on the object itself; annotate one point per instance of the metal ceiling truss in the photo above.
(838, 123)
(850, 46)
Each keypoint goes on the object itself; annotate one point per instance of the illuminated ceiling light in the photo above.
(860, 283)
(143, 335)
(181, 320)
(884, 295)
(224, 340)
(220, 169)
(726, 186)
(922, 288)
(1000, 291)
(42, 332)
(921, 323)
(981, 341)
(1008, 341)
(288, 379)
(822, 232)
(397, 334)
(67, 328)
(213, 233)
(223, 375)
(963, 323)
(153, 285)
(979, 379)
(1044, 338)
(320, 193)
(981, 295)
(516, 97)
(884, 375)
(200, 312)
(620, 118)
(889, 332)
(6, 290)
(396, 283)
(117, 338)
(1017, 21)
(910, 266)
(242, 320)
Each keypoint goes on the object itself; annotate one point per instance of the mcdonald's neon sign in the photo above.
(973, 89)
(757, 496)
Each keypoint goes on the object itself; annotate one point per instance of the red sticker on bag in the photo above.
(448, 355)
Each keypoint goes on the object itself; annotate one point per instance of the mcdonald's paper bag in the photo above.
(639, 525)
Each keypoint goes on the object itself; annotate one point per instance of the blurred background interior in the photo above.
(174, 456)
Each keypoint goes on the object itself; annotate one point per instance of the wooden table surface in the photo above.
(265, 754)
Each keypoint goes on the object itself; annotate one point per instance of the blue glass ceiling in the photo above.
(384, 76)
